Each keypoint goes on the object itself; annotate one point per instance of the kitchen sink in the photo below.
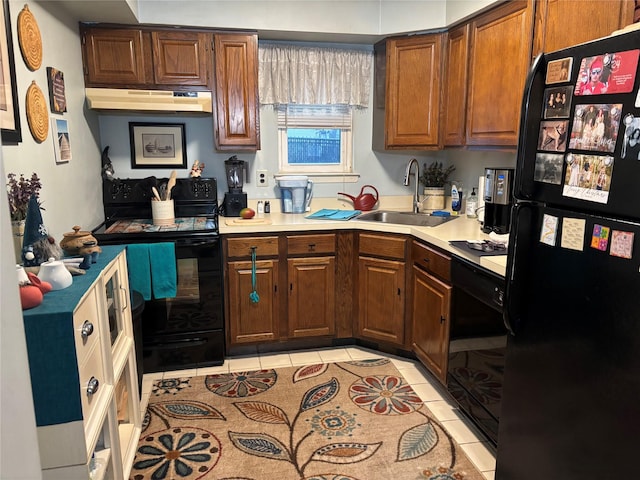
(404, 218)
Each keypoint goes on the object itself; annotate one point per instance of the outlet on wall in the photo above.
(262, 178)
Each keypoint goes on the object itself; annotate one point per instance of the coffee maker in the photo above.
(235, 199)
(498, 198)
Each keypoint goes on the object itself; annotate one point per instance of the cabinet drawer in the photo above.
(241, 247)
(381, 246)
(431, 260)
(310, 244)
(85, 319)
(91, 368)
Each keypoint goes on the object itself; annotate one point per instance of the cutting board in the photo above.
(247, 221)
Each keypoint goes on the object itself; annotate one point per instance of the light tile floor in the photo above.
(472, 441)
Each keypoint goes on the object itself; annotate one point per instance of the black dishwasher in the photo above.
(477, 342)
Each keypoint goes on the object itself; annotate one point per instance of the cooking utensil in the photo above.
(364, 201)
(156, 194)
(170, 184)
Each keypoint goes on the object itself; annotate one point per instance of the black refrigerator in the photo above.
(571, 397)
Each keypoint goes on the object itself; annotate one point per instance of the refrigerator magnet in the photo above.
(588, 177)
(600, 237)
(557, 102)
(631, 139)
(559, 71)
(595, 127)
(548, 168)
(549, 230)
(573, 233)
(621, 244)
(553, 135)
(608, 73)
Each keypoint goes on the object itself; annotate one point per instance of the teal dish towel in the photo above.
(152, 269)
(139, 269)
(162, 257)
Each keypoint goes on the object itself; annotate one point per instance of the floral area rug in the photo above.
(357, 420)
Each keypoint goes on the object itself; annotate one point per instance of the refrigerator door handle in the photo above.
(522, 218)
(523, 185)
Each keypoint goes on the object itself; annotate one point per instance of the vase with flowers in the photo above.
(434, 177)
(19, 190)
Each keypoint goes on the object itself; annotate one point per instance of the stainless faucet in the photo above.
(416, 178)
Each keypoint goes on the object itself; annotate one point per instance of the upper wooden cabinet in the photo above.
(236, 79)
(145, 57)
(500, 57)
(138, 58)
(116, 57)
(182, 58)
(408, 107)
(562, 23)
(455, 86)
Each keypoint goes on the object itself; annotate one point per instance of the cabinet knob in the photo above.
(87, 329)
(92, 386)
(312, 247)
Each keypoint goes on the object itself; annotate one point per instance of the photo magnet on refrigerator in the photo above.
(600, 237)
(573, 233)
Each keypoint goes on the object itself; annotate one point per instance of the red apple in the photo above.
(247, 213)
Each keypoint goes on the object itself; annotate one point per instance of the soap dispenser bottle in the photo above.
(456, 199)
(472, 204)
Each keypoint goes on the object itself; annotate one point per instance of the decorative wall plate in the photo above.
(37, 114)
(29, 39)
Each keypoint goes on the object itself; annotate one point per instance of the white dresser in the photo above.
(83, 373)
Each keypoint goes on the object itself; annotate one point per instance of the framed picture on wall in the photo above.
(157, 145)
(61, 140)
(57, 97)
(9, 113)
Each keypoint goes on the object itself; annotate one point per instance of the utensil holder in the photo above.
(163, 212)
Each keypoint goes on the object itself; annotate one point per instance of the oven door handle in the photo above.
(184, 242)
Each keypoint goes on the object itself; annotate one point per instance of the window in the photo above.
(314, 139)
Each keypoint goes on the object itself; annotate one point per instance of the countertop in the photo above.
(461, 228)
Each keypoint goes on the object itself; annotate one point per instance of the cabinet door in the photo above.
(181, 58)
(253, 321)
(311, 296)
(499, 63)
(430, 313)
(562, 23)
(413, 92)
(236, 82)
(116, 57)
(381, 299)
(455, 86)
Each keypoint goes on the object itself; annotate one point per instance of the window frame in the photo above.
(302, 120)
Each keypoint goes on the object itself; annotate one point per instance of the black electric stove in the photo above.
(186, 331)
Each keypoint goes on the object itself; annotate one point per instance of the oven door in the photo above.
(477, 343)
(187, 331)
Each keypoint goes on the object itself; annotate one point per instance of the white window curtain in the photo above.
(314, 75)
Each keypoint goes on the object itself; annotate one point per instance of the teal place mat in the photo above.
(328, 214)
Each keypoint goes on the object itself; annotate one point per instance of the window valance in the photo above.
(314, 75)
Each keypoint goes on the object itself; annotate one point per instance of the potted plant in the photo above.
(434, 177)
(19, 191)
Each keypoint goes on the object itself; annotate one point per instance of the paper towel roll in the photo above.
(481, 198)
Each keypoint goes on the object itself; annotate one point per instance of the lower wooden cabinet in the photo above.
(381, 288)
(253, 321)
(431, 308)
(430, 313)
(381, 300)
(310, 287)
(311, 302)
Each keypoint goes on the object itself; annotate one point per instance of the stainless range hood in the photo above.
(148, 100)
